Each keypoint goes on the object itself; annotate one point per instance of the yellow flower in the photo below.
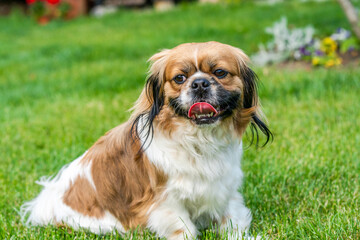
(328, 45)
(330, 63)
(315, 61)
(338, 61)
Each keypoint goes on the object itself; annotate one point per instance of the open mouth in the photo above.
(203, 113)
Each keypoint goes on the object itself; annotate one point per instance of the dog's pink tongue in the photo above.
(201, 108)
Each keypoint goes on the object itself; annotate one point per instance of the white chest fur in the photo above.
(203, 169)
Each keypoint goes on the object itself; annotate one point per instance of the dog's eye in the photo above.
(179, 79)
(219, 73)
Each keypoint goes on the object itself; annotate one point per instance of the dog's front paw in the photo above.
(181, 235)
(239, 235)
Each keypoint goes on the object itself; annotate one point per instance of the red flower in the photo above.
(53, 1)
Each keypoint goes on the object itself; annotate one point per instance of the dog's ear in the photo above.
(250, 106)
(251, 101)
(155, 82)
(151, 100)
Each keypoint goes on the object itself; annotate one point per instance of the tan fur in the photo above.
(242, 119)
(177, 233)
(127, 184)
(81, 197)
(167, 121)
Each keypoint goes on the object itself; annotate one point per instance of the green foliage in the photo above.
(63, 8)
(65, 84)
(350, 43)
(37, 9)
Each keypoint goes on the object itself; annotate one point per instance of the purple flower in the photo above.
(351, 48)
(319, 53)
(304, 51)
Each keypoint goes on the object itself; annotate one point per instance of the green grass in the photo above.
(65, 84)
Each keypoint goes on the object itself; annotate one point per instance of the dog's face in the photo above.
(202, 83)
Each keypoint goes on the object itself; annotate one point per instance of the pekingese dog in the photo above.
(174, 167)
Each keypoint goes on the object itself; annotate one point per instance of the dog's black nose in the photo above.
(202, 84)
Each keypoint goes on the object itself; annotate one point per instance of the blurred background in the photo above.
(70, 70)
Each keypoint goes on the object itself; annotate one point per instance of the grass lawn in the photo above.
(65, 84)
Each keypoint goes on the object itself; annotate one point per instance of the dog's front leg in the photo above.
(171, 220)
(237, 220)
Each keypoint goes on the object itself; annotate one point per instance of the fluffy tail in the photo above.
(42, 210)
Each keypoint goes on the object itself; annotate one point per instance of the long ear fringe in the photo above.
(250, 100)
(258, 123)
(150, 102)
(143, 122)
